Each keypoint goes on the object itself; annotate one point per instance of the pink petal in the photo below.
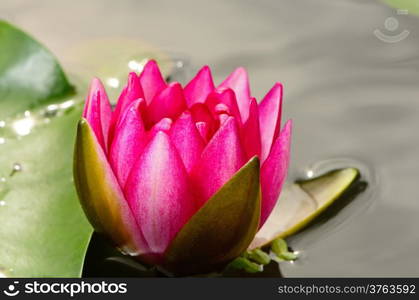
(251, 131)
(226, 97)
(163, 125)
(151, 80)
(221, 108)
(238, 81)
(158, 193)
(197, 90)
(98, 112)
(274, 171)
(130, 93)
(222, 157)
(203, 130)
(202, 115)
(130, 139)
(270, 118)
(187, 140)
(170, 102)
(223, 118)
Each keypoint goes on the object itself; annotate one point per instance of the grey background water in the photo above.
(349, 93)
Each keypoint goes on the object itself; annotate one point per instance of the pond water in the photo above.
(351, 86)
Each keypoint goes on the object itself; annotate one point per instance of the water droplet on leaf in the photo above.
(17, 167)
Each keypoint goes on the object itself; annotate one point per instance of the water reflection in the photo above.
(24, 126)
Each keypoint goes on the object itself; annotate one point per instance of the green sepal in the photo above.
(222, 229)
(99, 192)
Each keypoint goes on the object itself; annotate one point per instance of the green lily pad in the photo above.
(303, 201)
(411, 5)
(29, 73)
(44, 231)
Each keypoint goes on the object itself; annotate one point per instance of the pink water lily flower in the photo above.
(180, 176)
